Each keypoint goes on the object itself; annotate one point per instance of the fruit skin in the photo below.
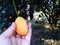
(21, 26)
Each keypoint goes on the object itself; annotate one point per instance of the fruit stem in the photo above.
(15, 8)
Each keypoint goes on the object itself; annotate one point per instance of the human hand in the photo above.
(9, 37)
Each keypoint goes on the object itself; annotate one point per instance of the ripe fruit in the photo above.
(21, 26)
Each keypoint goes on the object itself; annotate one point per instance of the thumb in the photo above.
(9, 32)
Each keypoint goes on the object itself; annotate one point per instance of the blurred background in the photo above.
(43, 14)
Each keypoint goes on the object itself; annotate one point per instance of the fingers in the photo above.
(28, 36)
(13, 39)
(18, 36)
(26, 40)
(29, 25)
(19, 41)
(9, 32)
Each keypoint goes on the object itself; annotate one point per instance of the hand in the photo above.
(9, 37)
